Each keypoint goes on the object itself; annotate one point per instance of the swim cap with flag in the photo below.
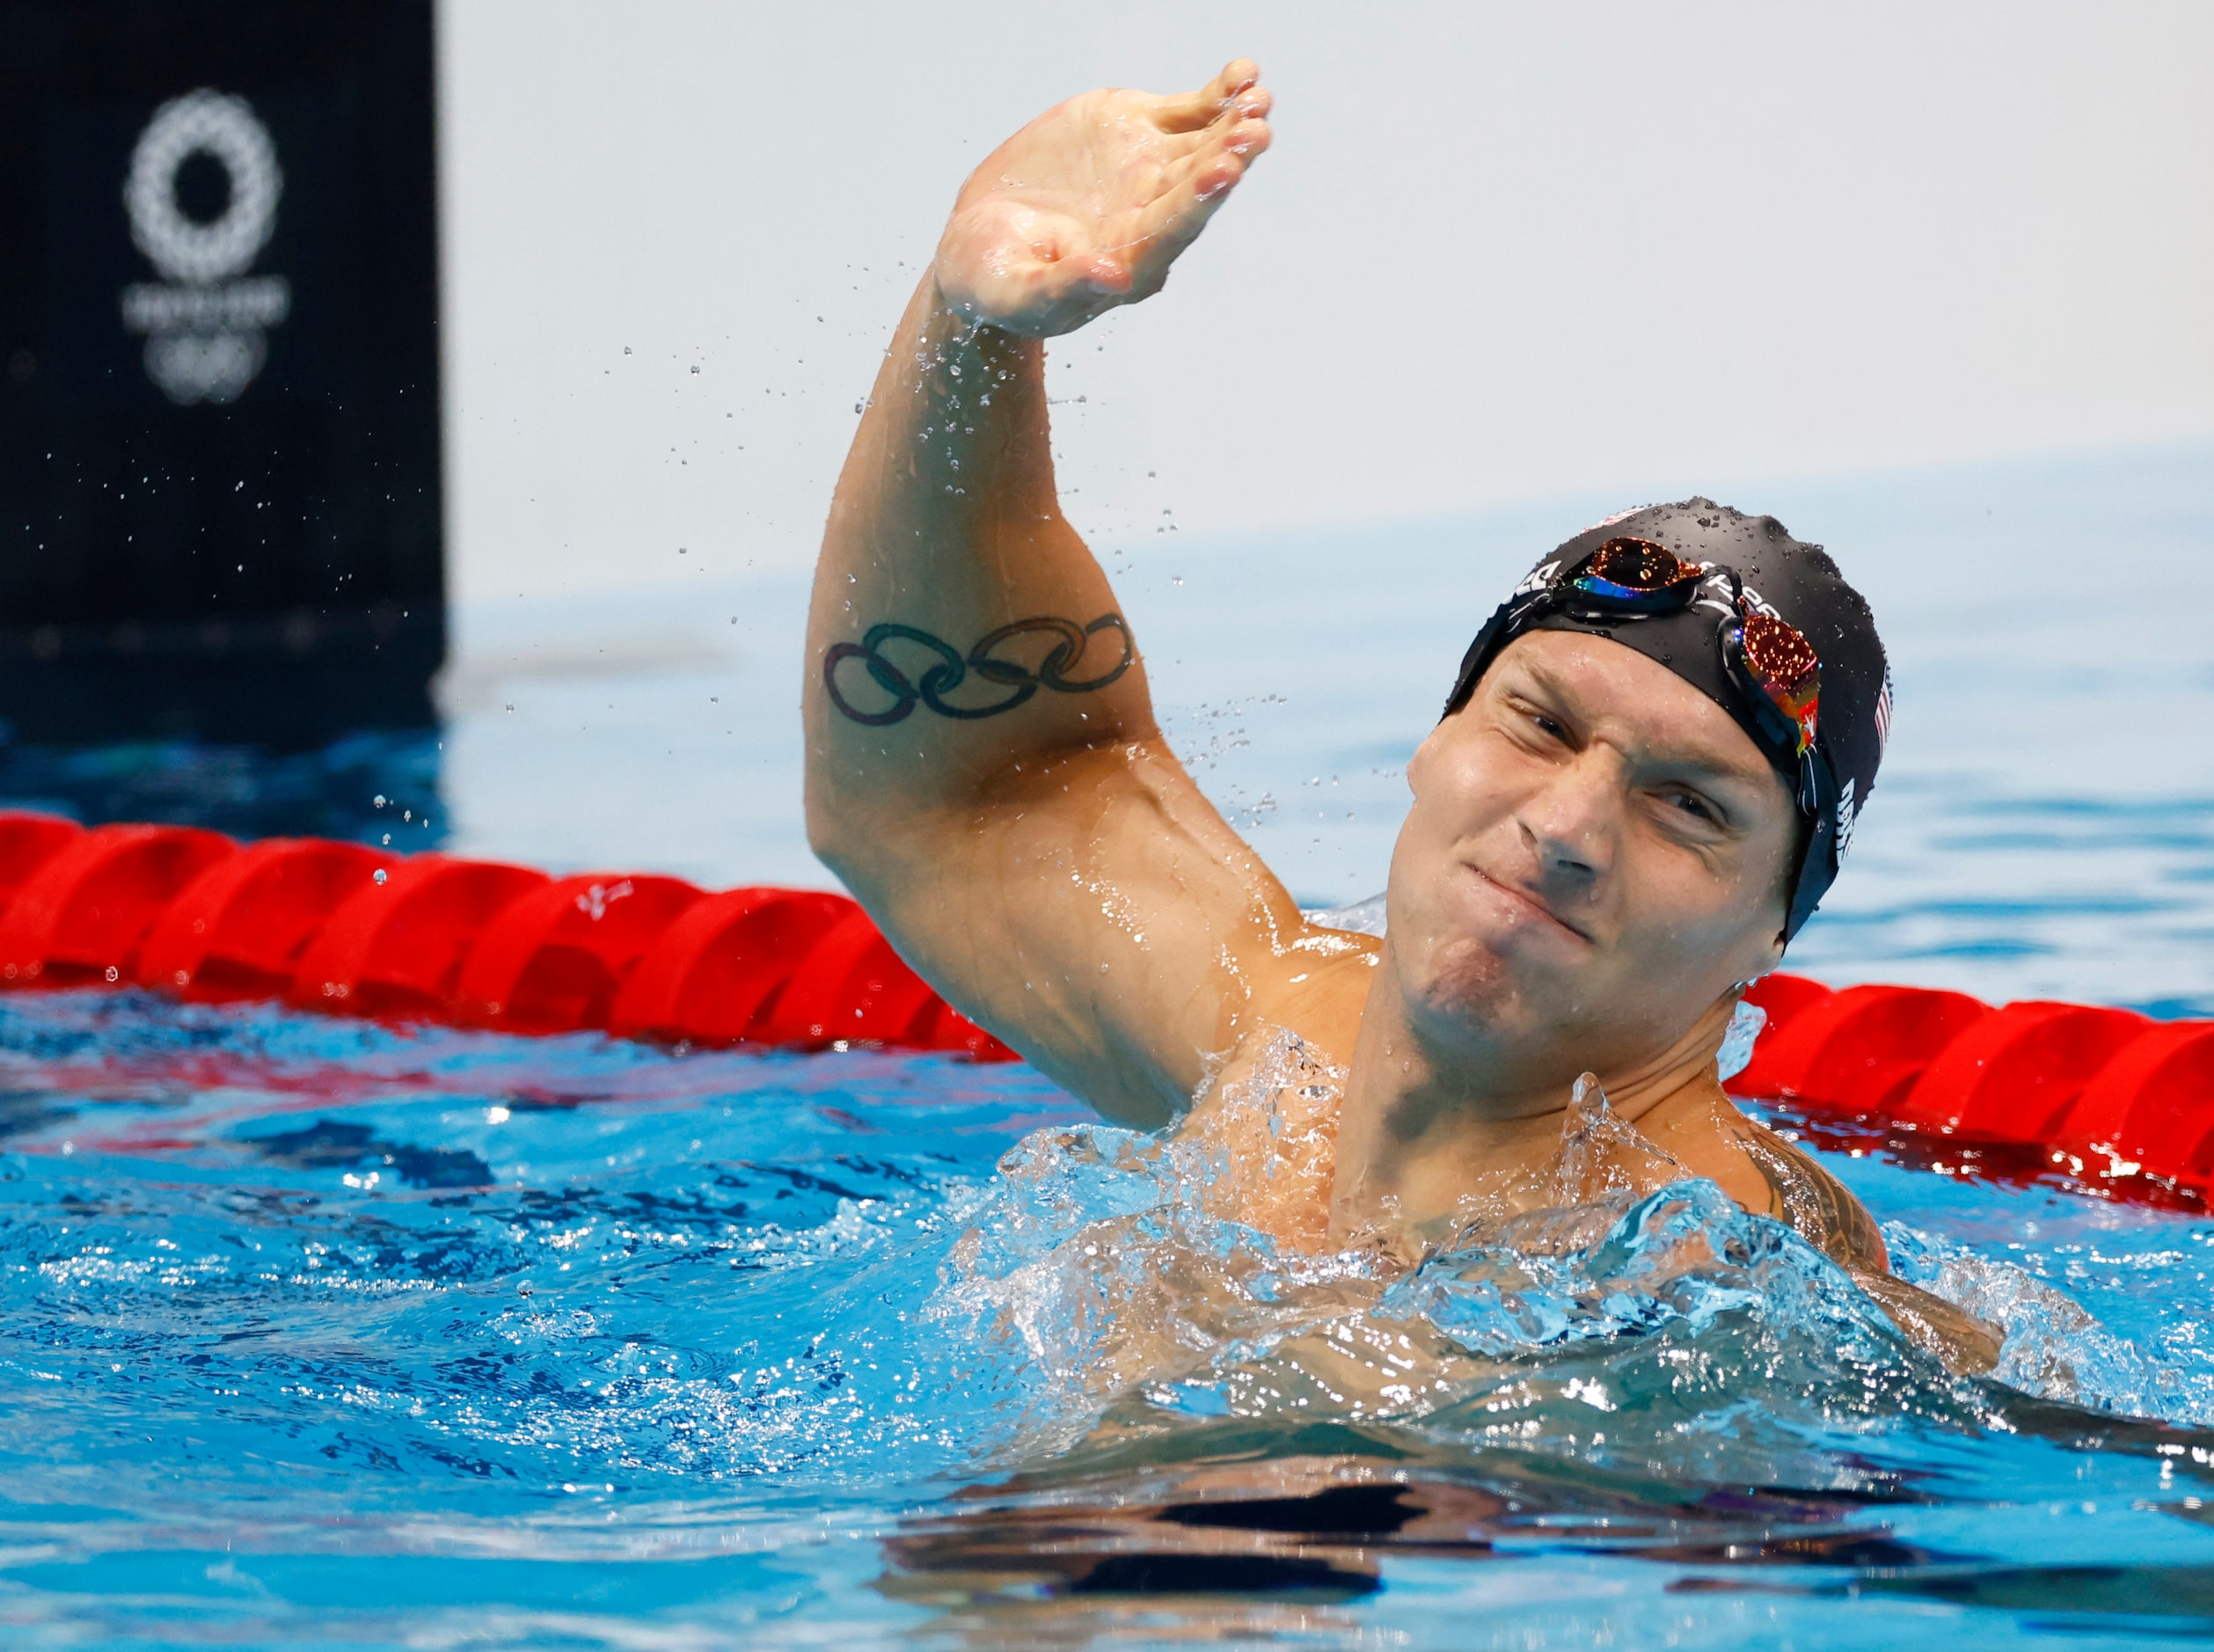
(1823, 722)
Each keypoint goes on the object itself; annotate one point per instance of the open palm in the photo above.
(1087, 207)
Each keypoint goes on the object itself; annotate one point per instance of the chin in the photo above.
(1472, 984)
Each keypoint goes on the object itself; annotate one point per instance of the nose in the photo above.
(1570, 823)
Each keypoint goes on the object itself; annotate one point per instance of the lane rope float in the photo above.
(345, 929)
(348, 930)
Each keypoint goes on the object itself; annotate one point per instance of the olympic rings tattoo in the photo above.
(951, 669)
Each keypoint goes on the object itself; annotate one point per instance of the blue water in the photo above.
(320, 1333)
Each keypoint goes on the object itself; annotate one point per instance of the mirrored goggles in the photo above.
(1771, 660)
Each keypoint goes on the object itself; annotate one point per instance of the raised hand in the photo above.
(979, 725)
(1087, 207)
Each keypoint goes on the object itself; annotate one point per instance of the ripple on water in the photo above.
(330, 1289)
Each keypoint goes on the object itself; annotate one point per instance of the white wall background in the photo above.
(1500, 251)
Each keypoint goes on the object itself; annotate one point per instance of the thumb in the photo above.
(1106, 273)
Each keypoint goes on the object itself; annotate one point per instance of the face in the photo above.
(1597, 852)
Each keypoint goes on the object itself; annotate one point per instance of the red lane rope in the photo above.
(354, 931)
(349, 930)
(2094, 1086)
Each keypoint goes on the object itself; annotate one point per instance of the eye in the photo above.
(1697, 806)
(1550, 727)
(1535, 723)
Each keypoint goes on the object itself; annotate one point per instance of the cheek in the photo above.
(1695, 911)
(1460, 793)
(1467, 783)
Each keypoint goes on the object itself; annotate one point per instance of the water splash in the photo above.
(1736, 1053)
(1606, 1304)
(2055, 1349)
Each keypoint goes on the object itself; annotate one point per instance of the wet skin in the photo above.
(1595, 854)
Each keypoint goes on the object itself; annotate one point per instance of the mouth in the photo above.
(1528, 901)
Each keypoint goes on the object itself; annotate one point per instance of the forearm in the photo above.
(983, 769)
(945, 523)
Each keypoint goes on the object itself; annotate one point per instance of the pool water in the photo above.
(327, 1332)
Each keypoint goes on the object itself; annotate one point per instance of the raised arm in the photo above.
(983, 769)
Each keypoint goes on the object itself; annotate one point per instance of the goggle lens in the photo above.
(1785, 665)
(1637, 575)
(1637, 571)
(1641, 564)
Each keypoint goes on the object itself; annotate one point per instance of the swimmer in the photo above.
(1648, 770)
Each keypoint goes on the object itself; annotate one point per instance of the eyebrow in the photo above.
(1691, 763)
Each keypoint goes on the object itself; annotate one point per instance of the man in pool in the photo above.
(1645, 776)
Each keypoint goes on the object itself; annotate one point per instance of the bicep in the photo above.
(1096, 912)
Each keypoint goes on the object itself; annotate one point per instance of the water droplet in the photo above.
(381, 873)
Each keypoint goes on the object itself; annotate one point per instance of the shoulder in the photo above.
(1770, 1176)
(1316, 981)
(1808, 1199)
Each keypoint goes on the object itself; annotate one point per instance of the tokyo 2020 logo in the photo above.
(206, 321)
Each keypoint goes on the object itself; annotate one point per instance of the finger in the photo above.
(1252, 104)
(1172, 220)
(1237, 74)
(1253, 101)
(1233, 151)
(1241, 141)
(1195, 110)
(1198, 108)
(1241, 146)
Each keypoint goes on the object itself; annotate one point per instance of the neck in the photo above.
(1423, 1123)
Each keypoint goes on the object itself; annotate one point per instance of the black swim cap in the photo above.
(1801, 585)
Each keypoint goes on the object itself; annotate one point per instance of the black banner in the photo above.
(220, 508)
